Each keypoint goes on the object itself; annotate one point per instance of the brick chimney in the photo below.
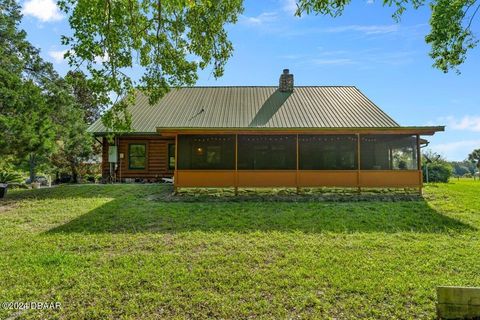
(286, 81)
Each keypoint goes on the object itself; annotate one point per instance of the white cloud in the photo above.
(57, 55)
(293, 56)
(261, 19)
(456, 150)
(366, 29)
(290, 6)
(104, 58)
(370, 1)
(466, 123)
(342, 61)
(44, 10)
(362, 59)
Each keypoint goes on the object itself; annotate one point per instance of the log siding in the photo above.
(157, 158)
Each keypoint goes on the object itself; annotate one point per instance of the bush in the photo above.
(16, 185)
(438, 172)
(10, 177)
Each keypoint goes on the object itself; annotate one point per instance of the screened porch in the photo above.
(297, 160)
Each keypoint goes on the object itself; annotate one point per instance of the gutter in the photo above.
(426, 130)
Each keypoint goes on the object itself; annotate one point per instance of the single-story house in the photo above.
(265, 136)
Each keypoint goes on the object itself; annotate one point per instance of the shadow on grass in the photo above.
(143, 209)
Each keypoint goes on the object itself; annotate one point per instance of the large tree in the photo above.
(169, 41)
(38, 111)
(87, 99)
(451, 34)
(475, 157)
(32, 128)
(74, 144)
(26, 114)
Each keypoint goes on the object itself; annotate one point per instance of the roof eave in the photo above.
(421, 130)
(132, 133)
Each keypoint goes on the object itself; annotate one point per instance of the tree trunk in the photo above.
(32, 166)
(73, 168)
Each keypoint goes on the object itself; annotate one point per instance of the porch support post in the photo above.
(419, 166)
(296, 172)
(175, 174)
(236, 165)
(359, 189)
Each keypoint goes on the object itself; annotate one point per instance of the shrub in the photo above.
(10, 177)
(438, 172)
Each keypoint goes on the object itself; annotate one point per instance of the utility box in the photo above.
(458, 303)
(112, 154)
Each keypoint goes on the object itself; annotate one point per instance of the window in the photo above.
(171, 156)
(327, 152)
(267, 152)
(137, 156)
(388, 152)
(206, 152)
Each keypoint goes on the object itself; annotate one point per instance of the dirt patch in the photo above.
(4, 207)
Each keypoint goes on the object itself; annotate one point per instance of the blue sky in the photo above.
(388, 61)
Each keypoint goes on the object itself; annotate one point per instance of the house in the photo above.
(265, 136)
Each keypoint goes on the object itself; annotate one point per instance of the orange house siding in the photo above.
(307, 178)
(303, 178)
(156, 162)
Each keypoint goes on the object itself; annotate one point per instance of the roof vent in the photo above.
(286, 81)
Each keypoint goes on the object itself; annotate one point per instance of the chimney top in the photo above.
(285, 84)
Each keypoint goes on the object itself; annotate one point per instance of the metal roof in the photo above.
(256, 107)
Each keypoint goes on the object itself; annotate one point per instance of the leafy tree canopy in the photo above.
(169, 40)
(91, 102)
(475, 157)
(435, 167)
(38, 111)
(462, 168)
(26, 83)
(450, 34)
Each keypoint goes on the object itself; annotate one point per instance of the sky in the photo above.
(364, 47)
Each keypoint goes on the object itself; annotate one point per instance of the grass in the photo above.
(123, 251)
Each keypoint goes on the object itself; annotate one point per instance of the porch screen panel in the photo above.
(206, 152)
(327, 152)
(267, 152)
(388, 152)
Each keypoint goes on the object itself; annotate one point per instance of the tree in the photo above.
(450, 34)
(34, 100)
(33, 129)
(21, 69)
(475, 157)
(168, 40)
(436, 167)
(462, 168)
(86, 98)
(74, 144)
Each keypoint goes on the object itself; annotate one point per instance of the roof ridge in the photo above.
(268, 86)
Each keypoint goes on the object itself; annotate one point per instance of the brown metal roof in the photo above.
(256, 107)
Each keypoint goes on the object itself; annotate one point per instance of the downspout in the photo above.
(426, 164)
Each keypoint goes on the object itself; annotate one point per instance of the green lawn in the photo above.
(122, 251)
